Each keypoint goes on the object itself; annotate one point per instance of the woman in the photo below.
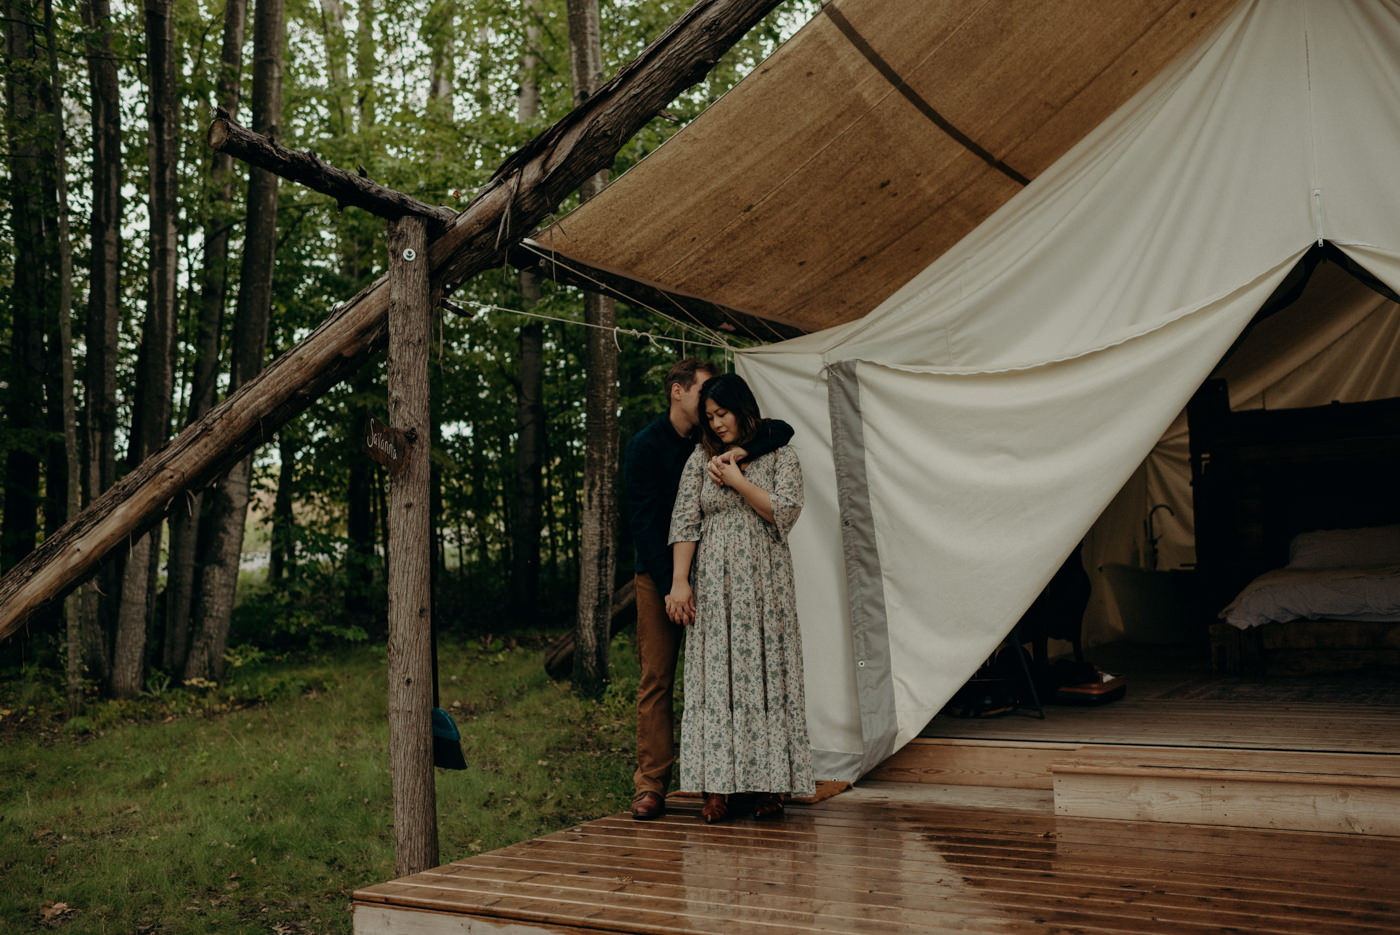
(745, 723)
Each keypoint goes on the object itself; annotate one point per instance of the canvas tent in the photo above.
(959, 439)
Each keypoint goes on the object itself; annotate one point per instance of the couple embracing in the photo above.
(710, 522)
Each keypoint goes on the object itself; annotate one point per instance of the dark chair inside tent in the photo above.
(1008, 680)
(1058, 613)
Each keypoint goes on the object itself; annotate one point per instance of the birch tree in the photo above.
(155, 367)
(99, 416)
(598, 535)
(529, 392)
(209, 325)
(218, 572)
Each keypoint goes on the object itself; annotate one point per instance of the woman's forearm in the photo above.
(682, 554)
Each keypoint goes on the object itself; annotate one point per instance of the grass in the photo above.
(262, 805)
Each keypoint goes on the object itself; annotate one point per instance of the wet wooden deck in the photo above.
(959, 832)
(903, 857)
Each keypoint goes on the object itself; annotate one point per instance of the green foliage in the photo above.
(260, 806)
(421, 96)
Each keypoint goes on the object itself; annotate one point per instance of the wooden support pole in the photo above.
(410, 553)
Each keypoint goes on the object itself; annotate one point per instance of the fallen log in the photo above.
(522, 193)
(559, 657)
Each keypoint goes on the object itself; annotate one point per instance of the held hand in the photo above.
(680, 605)
(731, 473)
(721, 462)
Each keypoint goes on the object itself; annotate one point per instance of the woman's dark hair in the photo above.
(730, 392)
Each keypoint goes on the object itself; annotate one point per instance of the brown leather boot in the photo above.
(768, 805)
(648, 805)
(716, 807)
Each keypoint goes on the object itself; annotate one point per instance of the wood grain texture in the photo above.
(410, 552)
(889, 857)
(1355, 793)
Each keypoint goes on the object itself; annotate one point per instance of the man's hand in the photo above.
(680, 605)
(731, 458)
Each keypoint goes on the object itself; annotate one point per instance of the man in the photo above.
(651, 469)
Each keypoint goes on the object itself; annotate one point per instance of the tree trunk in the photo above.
(529, 395)
(155, 366)
(333, 33)
(363, 586)
(598, 532)
(526, 188)
(360, 563)
(213, 292)
(282, 560)
(217, 577)
(28, 156)
(103, 315)
(440, 34)
(366, 61)
(72, 607)
(58, 277)
(410, 555)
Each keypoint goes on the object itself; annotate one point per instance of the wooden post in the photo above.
(410, 554)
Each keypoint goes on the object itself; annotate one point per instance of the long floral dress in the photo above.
(744, 728)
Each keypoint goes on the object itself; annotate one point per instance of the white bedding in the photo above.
(1361, 592)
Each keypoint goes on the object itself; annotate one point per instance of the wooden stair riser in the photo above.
(1341, 793)
(1255, 803)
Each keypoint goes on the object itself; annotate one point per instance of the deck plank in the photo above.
(927, 890)
(854, 864)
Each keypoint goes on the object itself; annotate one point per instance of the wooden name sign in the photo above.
(387, 445)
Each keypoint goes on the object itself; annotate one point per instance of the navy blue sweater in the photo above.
(651, 469)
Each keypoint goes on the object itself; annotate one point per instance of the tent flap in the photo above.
(997, 401)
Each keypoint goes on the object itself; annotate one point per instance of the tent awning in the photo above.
(861, 150)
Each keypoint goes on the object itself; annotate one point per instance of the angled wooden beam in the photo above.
(524, 191)
(306, 168)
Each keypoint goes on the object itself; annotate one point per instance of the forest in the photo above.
(146, 277)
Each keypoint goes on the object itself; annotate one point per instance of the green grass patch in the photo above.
(261, 805)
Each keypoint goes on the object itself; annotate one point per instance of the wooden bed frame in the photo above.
(1259, 478)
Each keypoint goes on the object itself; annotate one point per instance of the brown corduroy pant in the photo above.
(658, 646)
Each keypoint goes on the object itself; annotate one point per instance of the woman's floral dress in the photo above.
(744, 728)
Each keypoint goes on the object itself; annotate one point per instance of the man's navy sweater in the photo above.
(651, 469)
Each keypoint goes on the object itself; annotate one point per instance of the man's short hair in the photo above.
(683, 372)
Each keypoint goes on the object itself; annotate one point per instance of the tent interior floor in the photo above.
(1174, 700)
(1316, 753)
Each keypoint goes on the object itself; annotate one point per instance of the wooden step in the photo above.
(1003, 764)
(1285, 790)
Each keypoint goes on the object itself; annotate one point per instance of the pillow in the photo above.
(1338, 548)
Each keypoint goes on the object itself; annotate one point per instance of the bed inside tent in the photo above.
(1263, 524)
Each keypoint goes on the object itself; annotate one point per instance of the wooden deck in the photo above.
(984, 831)
(898, 857)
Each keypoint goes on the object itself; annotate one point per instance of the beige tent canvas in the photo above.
(966, 412)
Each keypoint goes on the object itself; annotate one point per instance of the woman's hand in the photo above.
(730, 473)
(720, 462)
(680, 604)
